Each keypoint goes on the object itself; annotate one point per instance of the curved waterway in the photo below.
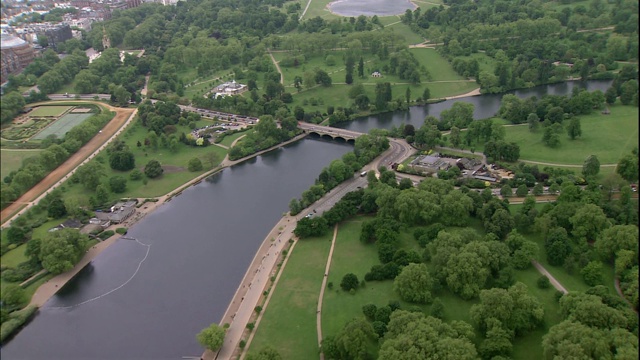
(485, 106)
(180, 272)
(370, 7)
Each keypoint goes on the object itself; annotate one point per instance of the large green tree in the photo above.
(61, 250)
(414, 284)
(211, 337)
(411, 335)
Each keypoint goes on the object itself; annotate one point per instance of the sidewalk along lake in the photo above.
(370, 7)
(485, 106)
(181, 271)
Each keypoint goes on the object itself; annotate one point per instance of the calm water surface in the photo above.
(199, 247)
(370, 7)
(485, 106)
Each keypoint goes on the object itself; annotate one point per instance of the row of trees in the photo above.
(35, 168)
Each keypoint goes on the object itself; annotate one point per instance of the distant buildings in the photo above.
(429, 164)
(16, 55)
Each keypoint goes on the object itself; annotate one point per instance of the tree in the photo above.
(102, 195)
(89, 174)
(352, 341)
(153, 169)
(513, 308)
(550, 137)
(122, 160)
(588, 222)
(628, 167)
(349, 281)
(557, 246)
(61, 250)
(466, 274)
(616, 238)
(361, 68)
(322, 78)
(195, 164)
(592, 273)
(56, 208)
(522, 257)
(426, 94)
(497, 342)
(383, 95)
(414, 284)
(573, 129)
(211, 337)
(611, 95)
(411, 335)
(118, 184)
(522, 190)
(591, 166)
(572, 339)
(534, 122)
(12, 296)
(500, 223)
(627, 91)
(17, 234)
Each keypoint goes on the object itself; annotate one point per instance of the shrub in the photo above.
(135, 175)
(349, 281)
(543, 282)
(121, 230)
(258, 309)
(195, 164)
(106, 234)
(16, 320)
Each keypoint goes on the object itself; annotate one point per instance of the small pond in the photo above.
(370, 7)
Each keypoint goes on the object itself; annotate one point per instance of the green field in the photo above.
(11, 160)
(405, 31)
(609, 137)
(438, 66)
(170, 180)
(48, 111)
(289, 322)
(61, 126)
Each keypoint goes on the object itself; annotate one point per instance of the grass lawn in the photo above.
(486, 62)
(14, 257)
(49, 110)
(405, 31)
(11, 160)
(69, 88)
(573, 281)
(201, 86)
(317, 8)
(229, 139)
(609, 137)
(155, 187)
(438, 66)
(289, 321)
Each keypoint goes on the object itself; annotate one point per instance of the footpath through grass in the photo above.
(289, 321)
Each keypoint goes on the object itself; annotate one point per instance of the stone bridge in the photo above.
(334, 133)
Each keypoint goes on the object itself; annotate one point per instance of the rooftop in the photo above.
(9, 41)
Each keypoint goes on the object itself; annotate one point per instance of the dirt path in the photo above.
(123, 115)
(305, 10)
(556, 284)
(616, 284)
(562, 165)
(324, 286)
(278, 66)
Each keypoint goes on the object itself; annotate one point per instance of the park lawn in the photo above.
(49, 110)
(317, 8)
(229, 139)
(438, 66)
(573, 281)
(529, 346)
(609, 137)
(14, 257)
(11, 160)
(289, 320)
(310, 64)
(441, 90)
(485, 62)
(405, 31)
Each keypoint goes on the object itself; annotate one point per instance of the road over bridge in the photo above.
(331, 132)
